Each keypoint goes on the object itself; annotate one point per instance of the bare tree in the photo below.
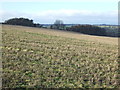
(58, 24)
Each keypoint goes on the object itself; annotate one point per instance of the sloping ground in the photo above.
(42, 58)
(106, 40)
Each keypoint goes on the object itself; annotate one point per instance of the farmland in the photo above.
(45, 58)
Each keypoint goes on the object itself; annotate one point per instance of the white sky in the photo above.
(70, 11)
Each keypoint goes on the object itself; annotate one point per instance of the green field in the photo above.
(45, 58)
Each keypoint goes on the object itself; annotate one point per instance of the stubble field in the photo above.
(33, 57)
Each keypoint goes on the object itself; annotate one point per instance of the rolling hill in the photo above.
(46, 58)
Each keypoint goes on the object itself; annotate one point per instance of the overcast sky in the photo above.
(70, 11)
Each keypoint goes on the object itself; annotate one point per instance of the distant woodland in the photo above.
(59, 25)
(22, 22)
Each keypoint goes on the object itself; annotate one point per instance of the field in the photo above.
(44, 58)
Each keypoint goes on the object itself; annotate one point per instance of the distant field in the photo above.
(44, 58)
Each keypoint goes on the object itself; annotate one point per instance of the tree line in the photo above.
(85, 29)
(88, 29)
(58, 24)
(22, 22)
